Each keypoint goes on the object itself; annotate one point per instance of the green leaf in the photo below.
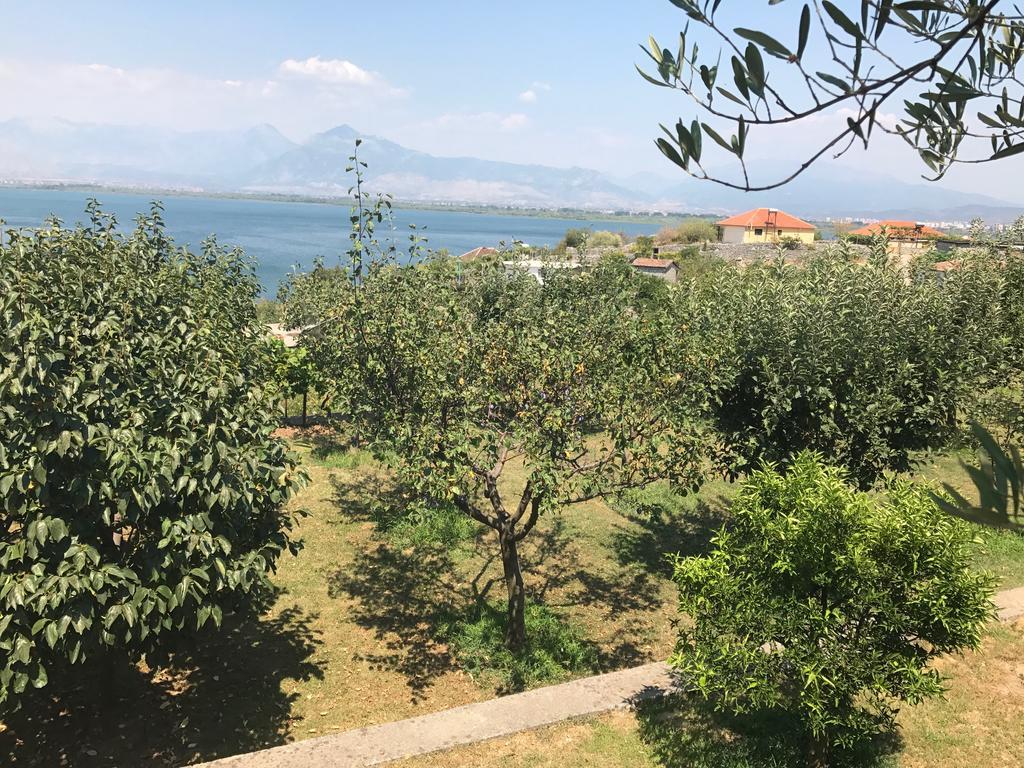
(882, 17)
(671, 153)
(805, 29)
(842, 20)
(755, 68)
(717, 138)
(739, 74)
(1010, 151)
(769, 43)
(832, 80)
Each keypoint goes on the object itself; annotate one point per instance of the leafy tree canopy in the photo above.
(851, 360)
(141, 491)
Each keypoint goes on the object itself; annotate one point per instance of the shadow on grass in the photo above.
(222, 698)
(407, 589)
(665, 527)
(684, 730)
(402, 596)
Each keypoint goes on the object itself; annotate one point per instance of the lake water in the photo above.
(279, 235)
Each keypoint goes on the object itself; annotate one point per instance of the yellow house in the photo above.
(764, 225)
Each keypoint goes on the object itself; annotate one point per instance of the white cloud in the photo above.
(530, 95)
(104, 69)
(337, 71)
(514, 121)
(299, 97)
(476, 121)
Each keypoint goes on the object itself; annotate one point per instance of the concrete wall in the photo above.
(669, 275)
(733, 234)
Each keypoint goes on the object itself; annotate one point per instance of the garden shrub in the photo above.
(688, 231)
(829, 603)
(141, 491)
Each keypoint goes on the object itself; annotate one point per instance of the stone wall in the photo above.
(744, 253)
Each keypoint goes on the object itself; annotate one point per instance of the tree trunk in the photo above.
(818, 752)
(304, 408)
(108, 682)
(515, 619)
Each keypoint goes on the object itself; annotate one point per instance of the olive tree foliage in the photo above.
(847, 359)
(828, 603)
(948, 66)
(141, 490)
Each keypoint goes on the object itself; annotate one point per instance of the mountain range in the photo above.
(262, 160)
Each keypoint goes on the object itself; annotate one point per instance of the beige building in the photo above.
(764, 225)
(904, 239)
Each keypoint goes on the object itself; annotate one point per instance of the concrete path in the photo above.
(490, 719)
(1010, 604)
(464, 725)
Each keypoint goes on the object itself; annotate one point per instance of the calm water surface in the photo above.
(280, 236)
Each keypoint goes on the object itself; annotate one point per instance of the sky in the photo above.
(549, 82)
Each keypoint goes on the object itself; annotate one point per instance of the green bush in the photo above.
(554, 650)
(850, 360)
(828, 603)
(141, 490)
(643, 246)
(268, 311)
(689, 231)
(605, 239)
(574, 238)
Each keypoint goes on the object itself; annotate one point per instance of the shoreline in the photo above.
(568, 214)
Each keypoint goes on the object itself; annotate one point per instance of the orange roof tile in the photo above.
(642, 261)
(760, 217)
(898, 230)
(477, 253)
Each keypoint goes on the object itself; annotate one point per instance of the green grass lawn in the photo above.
(380, 618)
(1001, 552)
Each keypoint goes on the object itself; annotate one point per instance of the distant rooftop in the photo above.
(765, 218)
(899, 230)
(647, 263)
(478, 253)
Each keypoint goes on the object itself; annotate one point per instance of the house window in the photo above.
(758, 231)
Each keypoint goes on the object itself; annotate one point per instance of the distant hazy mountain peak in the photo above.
(261, 159)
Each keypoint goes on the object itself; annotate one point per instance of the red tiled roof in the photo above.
(477, 253)
(759, 217)
(898, 230)
(642, 261)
